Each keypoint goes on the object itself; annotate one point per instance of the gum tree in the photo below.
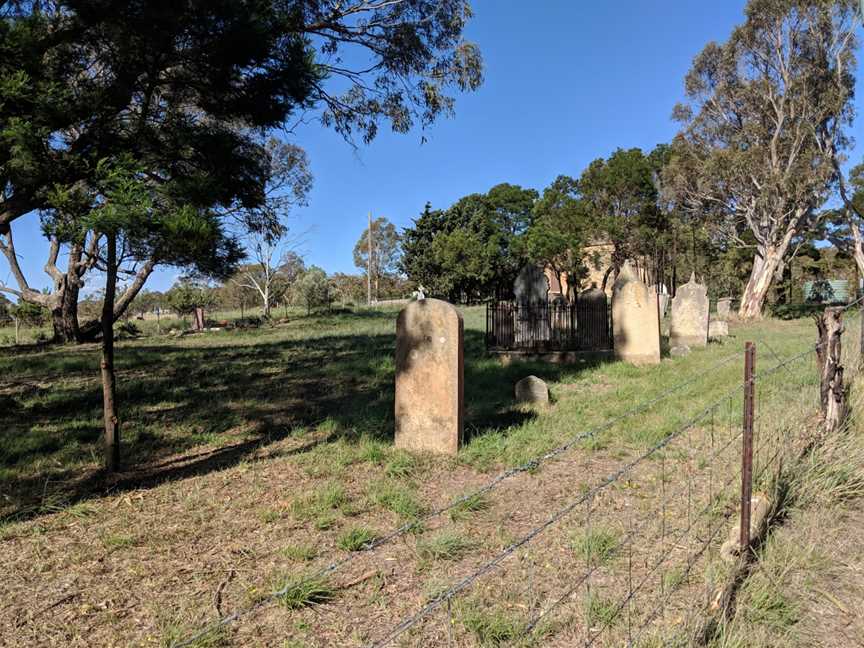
(764, 117)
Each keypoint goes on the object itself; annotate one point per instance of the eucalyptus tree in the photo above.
(765, 117)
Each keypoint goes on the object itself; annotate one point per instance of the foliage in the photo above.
(187, 295)
(385, 251)
(312, 289)
(28, 314)
(471, 249)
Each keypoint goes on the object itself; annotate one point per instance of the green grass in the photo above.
(323, 506)
(468, 507)
(396, 496)
(356, 539)
(491, 626)
(295, 592)
(446, 545)
(595, 547)
(300, 552)
(601, 611)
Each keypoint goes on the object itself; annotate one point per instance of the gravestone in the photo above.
(429, 377)
(688, 325)
(531, 286)
(724, 307)
(532, 390)
(592, 320)
(718, 329)
(635, 319)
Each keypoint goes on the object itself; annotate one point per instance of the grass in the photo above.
(300, 552)
(491, 626)
(295, 592)
(356, 539)
(468, 507)
(595, 547)
(447, 545)
(396, 496)
(601, 612)
(323, 506)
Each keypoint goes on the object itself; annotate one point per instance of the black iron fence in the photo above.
(552, 326)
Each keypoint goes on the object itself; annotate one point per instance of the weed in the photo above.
(322, 505)
(115, 541)
(356, 539)
(268, 516)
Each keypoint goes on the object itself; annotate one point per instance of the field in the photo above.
(255, 458)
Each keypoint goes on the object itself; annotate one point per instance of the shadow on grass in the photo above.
(238, 398)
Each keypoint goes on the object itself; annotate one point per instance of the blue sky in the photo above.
(566, 83)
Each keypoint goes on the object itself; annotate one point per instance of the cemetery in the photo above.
(407, 323)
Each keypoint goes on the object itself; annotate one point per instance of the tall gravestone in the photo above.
(635, 319)
(724, 308)
(688, 325)
(429, 377)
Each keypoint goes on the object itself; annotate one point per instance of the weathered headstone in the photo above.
(531, 286)
(679, 351)
(429, 377)
(688, 325)
(532, 390)
(724, 307)
(718, 329)
(635, 319)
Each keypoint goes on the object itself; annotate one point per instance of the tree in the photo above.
(187, 295)
(312, 289)
(472, 249)
(272, 271)
(559, 230)
(385, 251)
(187, 89)
(764, 120)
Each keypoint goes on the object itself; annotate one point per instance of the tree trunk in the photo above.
(109, 382)
(65, 316)
(765, 265)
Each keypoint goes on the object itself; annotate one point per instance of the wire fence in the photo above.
(628, 551)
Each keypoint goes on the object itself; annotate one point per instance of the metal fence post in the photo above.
(747, 445)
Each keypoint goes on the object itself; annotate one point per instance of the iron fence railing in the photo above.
(543, 327)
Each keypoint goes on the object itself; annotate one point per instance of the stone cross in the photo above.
(635, 319)
(688, 324)
(430, 371)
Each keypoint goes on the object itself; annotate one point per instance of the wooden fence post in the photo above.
(832, 392)
(747, 447)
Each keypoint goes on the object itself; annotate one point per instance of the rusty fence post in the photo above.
(747, 445)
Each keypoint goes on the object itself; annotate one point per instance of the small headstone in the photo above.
(532, 390)
(688, 325)
(635, 319)
(724, 307)
(718, 329)
(429, 377)
(531, 286)
(679, 351)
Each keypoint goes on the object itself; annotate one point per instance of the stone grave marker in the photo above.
(635, 319)
(532, 390)
(429, 377)
(724, 308)
(592, 319)
(688, 324)
(718, 329)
